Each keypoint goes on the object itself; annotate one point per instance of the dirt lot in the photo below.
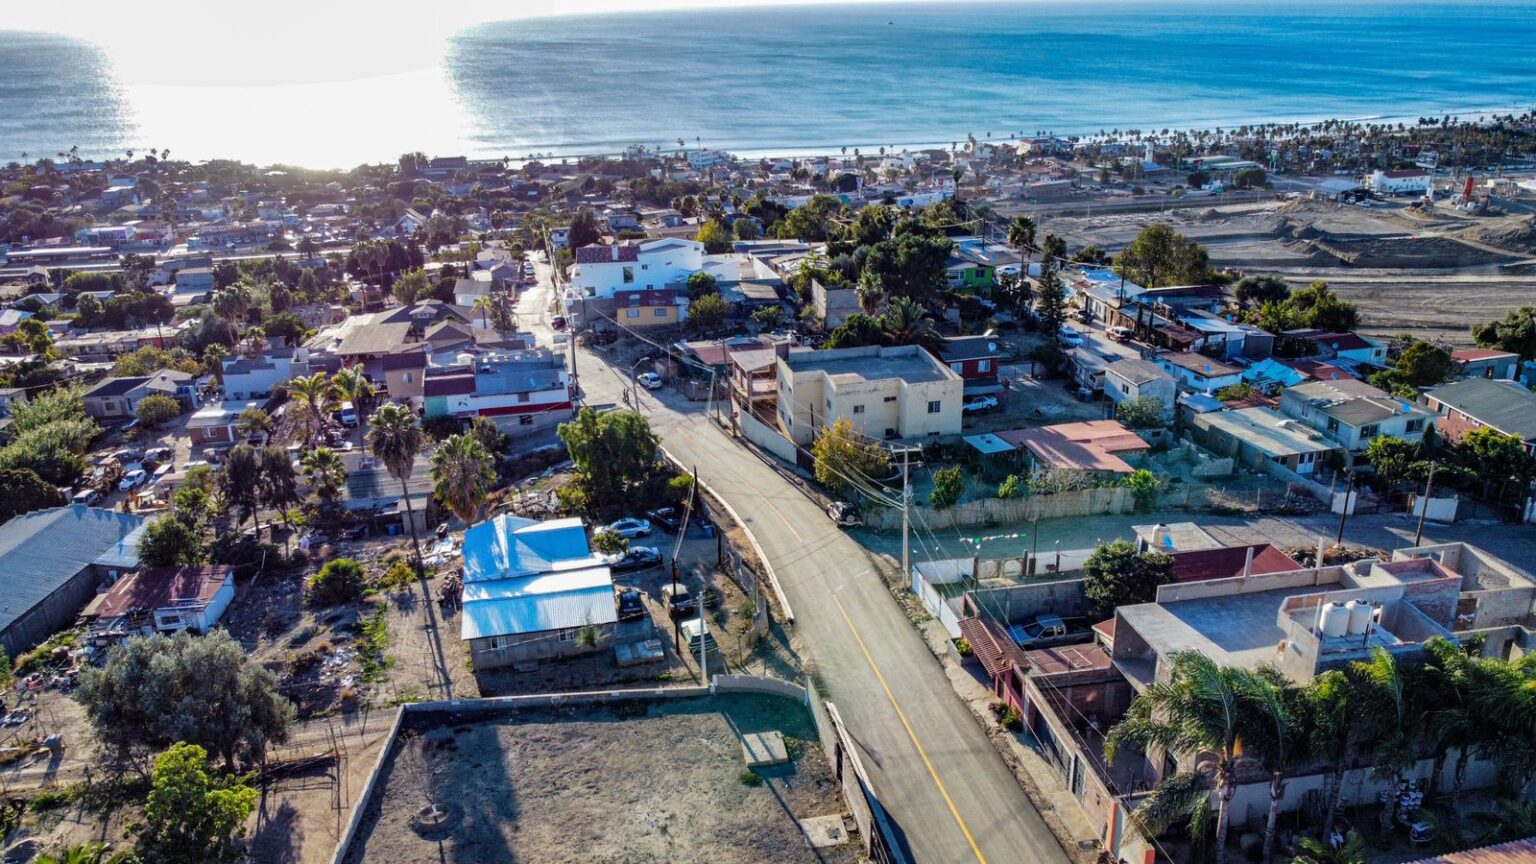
(630, 783)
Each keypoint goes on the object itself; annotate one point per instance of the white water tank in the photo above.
(1359, 616)
(1335, 619)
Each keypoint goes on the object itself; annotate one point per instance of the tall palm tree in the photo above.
(350, 385)
(483, 304)
(396, 438)
(871, 291)
(1506, 700)
(1197, 711)
(325, 472)
(313, 395)
(213, 358)
(1275, 735)
(1385, 699)
(1336, 728)
(1021, 236)
(906, 323)
(1451, 719)
(462, 475)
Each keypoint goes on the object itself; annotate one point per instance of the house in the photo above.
(215, 422)
(405, 373)
(1504, 406)
(1099, 446)
(1410, 181)
(643, 309)
(165, 600)
(1350, 413)
(900, 392)
(194, 280)
(833, 305)
(467, 291)
(251, 378)
(10, 320)
(1478, 363)
(372, 491)
(530, 588)
(975, 360)
(117, 398)
(1130, 379)
(1349, 348)
(520, 390)
(1199, 373)
(10, 396)
(1258, 437)
(600, 271)
(51, 562)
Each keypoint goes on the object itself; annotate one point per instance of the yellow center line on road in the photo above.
(910, 734)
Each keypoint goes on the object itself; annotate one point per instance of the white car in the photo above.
(629, 528)
(979, 403)
(132, 480)
(1069, 337)
(649, 380)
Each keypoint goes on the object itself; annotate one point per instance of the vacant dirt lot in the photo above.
(622, 784)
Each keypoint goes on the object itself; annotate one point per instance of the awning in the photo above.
(988, 444)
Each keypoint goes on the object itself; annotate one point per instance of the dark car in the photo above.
(667, 517)
(678, 599)
(604, 337)
(637, 558)
(631, 605)
(557, 322)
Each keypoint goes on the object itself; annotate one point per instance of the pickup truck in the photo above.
(1050, 631)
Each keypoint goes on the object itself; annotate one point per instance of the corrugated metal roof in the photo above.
(1513, 852)
(532, 604)
(42, 550)
(510, 546)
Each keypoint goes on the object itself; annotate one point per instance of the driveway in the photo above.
(951, 799)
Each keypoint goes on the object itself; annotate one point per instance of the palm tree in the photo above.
(351, 385)
(483, 304)
(1506, 700)
(313, 394)
(905, 323)
(325, 472)
(462, 475)
(1021, 236)
(1452, 721)
(213, 358)
(1384, 696)
(1196, 713)
(871, 291)
(1275, 735)
(1336, 727)
(1314, 851)
(396, 438)
(89, 853)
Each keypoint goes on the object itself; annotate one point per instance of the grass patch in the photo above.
(373, 646)
(751, 778)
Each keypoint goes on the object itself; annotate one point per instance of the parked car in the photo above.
(132, 479)
(86, 497)
(1049, 631)
(1119, 334)
(346, 415)
(649, 380)
(698, 636)
(844, 514)
(127, 455)
(666, 517)
(631, 605)
(1069, 337)
(637, 558)
(160, 455)
(678, 600)
(629, 527)
(977, 404)
(557, 322)
(561, 338)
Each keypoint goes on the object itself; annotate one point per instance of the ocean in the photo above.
(780, 80)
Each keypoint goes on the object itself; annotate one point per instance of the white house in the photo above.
(1351, 413)
(167, 600)
(1406, 182)
(1129, 379)
(256, 377)
(900, 392)
(194, 280)
(629, 266)
(1198, 372)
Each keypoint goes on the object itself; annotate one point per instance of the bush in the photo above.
(963, 647)
(1012, 720)
(1144, 487)
(679, 488)
(340, 581)
(751, 778)
(1011, 487)
(399, 575)
(948, 486)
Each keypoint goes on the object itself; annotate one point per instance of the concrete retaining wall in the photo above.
(366, 795)
(768, 438)
(985, 511)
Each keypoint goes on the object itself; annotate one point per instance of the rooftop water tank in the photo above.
(1335, 619)
(1359, 616)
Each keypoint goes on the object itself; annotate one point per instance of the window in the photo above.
(406, 378)
(1370, 431)
(934, 406)
(659, 313)
(1415, 424)
(958, 367)
(522, 397)
(567, 635)
(645, 266)
(890, 398)
(829, 404)
(1126, 389)
(525, 420)
(629, 275)
(858, 409)
(1333, 426)
(631, 313)
(984, 366)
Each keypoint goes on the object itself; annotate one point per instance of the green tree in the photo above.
(1198, 179)
(948, 486)
(489, 435)
(1050, 300)
(1143, 412)
(411, 286)
(715, 237)
(1116, 575)
(857, 330)
(1161, 256)
(1322, 309)
(22, 491)
(1424, 365)
(1383, 693)
(906, 323)
(192, 816)
(312, 397)
(326, 473)
(1021, 236)
(609, 543)
(702, 283)
(168, 541)
(1319, 851)
(1275, 735)
(396, 439)
(279, 484)
(1011, 487)
(1144, 487)
(155, 690)
(37, 337)
(253, 422)
(911, 262)
(1515, 332)
(240, 483)
(1196, 711)
(1260, 289)
(1234, 392)
(1250, 178)
(339, 581)
(745, 230)
(615, 454)
(583, 230)
(462, 476)
(844, 460)
(707, 313)
(1392, 457)
(351, 385)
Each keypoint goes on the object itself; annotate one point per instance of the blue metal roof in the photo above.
(534, 604)
(42, 550)
(510, 546)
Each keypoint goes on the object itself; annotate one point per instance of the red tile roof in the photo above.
(1513, 852)
(1317, 369)
(647, 298)
(1466, 355)
(1227, 562)
(149, 590)
(621, 253)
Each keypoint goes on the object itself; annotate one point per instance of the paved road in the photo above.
(949, 795)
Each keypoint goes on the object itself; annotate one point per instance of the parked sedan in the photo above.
(631, 606)
(629, 527)
(1069, 337)
(666, 517)
(133, 480)
(978, 404)
(637, 558)
(649, 380)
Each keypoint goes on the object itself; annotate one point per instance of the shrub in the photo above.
(751, 778)
(1011, 487)
(963, 647)
(339, 581)
(1144, 487)
(398, 576)
(948, 486)
(1012, 720)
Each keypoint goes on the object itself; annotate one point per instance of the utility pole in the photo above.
(1429, 488)
(1349, 490)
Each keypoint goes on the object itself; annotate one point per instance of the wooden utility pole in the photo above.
(1429, 488)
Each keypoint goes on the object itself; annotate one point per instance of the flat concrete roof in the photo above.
(914, 366)
(1233, 629)
(1261, 428)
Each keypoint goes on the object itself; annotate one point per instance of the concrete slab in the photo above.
(823, 832)
(761, 749)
